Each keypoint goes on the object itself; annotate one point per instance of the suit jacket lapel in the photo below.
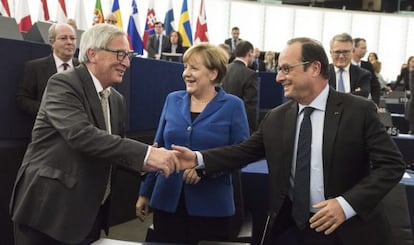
(91, 96)
(215, 104)
(289, 133)
(333, 114)
(115, 116)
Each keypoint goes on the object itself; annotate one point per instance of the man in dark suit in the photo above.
(233, 41)
(353, 162)
(62, 38)
(63, 187)
(359, 51)
(242, 81)
(341, 72)
(157, 42)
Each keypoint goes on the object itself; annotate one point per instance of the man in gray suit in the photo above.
(157, 42)
(62, 190)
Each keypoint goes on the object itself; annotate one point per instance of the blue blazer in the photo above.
(223, 122)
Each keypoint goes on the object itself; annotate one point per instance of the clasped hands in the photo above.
(170, 161)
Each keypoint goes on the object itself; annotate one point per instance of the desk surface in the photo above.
(106, 241)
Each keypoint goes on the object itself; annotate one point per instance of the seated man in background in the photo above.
(62, 38)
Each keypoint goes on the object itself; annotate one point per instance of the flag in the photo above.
(149, 23)
(61, 14)
(117, 12)
(43, 13)
(97, 13)
(201, 33)
(80, 16)
(169, 24)
(23, 16)
(184, 26)
(134, 33)
(4, 8)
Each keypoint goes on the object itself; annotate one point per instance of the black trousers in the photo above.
(25, 235)
(179, 227)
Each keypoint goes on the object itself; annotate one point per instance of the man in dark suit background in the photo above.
(355, 80)
(233, 41)
(359, 51)
(63, 187)
(62, 38)
(242, 81)
(353, 162)
(157, 42)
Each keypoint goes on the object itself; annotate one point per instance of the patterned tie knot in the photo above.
(65, 66)
(307, 111)
(104, 94)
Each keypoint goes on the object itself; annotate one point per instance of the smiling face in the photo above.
(105, 64)
(199, 80)
(341, 53)
(297, 81)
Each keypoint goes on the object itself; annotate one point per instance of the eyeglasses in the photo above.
(285, 69)
(120, 54)
(66, 38)
(337, 53)
(113, 22)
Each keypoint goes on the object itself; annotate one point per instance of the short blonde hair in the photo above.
(213, 57)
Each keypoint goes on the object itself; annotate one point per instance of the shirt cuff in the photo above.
(200, 160)
(147, 155)
(346, 207)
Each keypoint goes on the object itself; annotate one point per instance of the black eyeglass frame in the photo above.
(120, 54)
(285, 69)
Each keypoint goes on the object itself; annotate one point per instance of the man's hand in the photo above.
(329, 217)
(142, 208)
(186, 157)
(162, 160)
(190, 176)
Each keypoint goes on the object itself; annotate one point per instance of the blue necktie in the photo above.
(341, 85)
(301, 193)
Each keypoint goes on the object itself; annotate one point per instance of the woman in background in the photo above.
(377, 65)
(270, 61)
(187, 206)
(175, 44)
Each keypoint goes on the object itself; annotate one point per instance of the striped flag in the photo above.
(117, 12)
(97, 13)
(4, 8)
(169, 24)
(22, 16)
(43, 13)
(201, 33)
(134, 33)
(149, 23)
(184, 26)
(61, 14)
(80, 16)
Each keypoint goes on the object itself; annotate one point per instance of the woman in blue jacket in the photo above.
(188, 207)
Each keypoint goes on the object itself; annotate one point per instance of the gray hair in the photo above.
(343, 37)
(97, 37)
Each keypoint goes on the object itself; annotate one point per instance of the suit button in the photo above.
(189, 128)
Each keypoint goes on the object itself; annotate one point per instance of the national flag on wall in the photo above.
(61, 14)
(80, 16)
(169, 24)
(201, 33)
(184, 26)
(134, 33)
(117, 12)
(97, 13)
(149, 23)
(22, 16)
(4, 8)
(43, 13)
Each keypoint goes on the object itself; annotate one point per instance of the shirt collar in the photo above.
(346, 68)
(97, 84)
(59, 61)
(319, 103)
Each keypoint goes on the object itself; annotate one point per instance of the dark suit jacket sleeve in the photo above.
(375, 85)
(151, 46)
(250, 98)
(75, 116)
(387, 166)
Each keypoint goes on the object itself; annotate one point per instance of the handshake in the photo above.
(169, 161)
